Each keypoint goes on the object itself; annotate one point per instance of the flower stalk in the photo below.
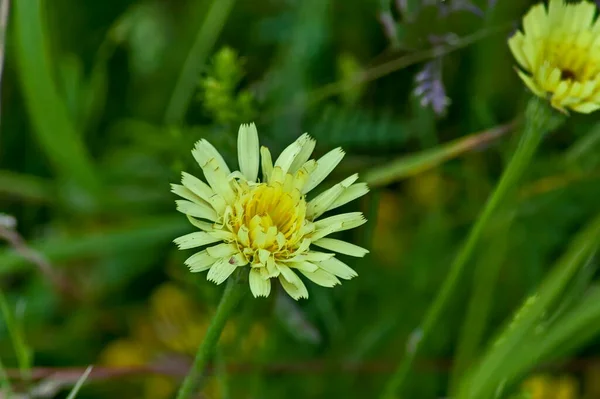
(230, 299)
(539, 120)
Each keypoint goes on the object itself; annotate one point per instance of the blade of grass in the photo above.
(54, 130)
(4, 10)
(25, 187)
(417, 163)
(187, 81)
(539, 120)
(484, 281)
(79, 383)
(5, 386)
(15, 333)
(144, 234)
(498, 364)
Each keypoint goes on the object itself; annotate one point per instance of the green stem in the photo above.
(205, 39)
(485, 275)
(206, 350)
(538, 120)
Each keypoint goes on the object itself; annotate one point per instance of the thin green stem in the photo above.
(16, 336)
(188, 78)
(206, 350)
(485, 275)
(503, 360)
(539, 119)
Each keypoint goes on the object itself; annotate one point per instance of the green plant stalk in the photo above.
(538, 120)
(16, 336)
(50, 120)
(206, 350)
(187, 81)
(573, 330)
(79, 383)
(484, 281)
(5, 387)
(414, 164)
(501, 364)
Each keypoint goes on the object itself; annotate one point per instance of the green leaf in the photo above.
(50, 120)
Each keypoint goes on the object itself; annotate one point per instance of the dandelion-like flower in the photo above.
(559, 53)
(268, 225)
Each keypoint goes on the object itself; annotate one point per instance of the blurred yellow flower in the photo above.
(559, 54)
(547, 387)
(174, 325)
(268, 225)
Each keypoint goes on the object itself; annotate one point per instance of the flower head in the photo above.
(268, 225)
(559, 53)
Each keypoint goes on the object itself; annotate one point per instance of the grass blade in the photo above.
(188, 78)
(499, 362)
(417, 163)
(79, 383)
(54, 130)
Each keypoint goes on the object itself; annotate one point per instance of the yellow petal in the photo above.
(220, 271)
(337, 267)
(194, 240)
(197, 186)
(322, 202)
(325, 165)
(342, 247)
(322, 278)
(200, 261)
(289, 155)
(204, 151)
(198, 210)
(308, 147)
(258, 285)
(292, 284)
(248, 151)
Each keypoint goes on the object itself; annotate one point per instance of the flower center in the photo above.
(567, 74)
(268, 217)
(575, 61)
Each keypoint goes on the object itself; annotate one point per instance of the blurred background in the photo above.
(101, 104)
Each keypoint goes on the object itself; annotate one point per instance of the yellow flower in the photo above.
(268, 224)
(547, 387)
(559, 53)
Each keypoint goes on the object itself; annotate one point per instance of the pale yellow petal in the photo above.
(205, 226)
(342, 247)
(531, 84)
(515, 43)
(220, 271)
(535, 21)
(308, 146)
(350, 194)
(303, 266)
(200, 261)
(217, 178)
(196, 210)
(322, 202)
(204, 152)
(325, 165)
(267, 163)
(194, 240)
(321, 277)
(259, 286)
(349, 220)
(337, 267)
(293, 285)
(197, 186)
(248, 151)
(222, 251)
(289, 155)
(585, 108)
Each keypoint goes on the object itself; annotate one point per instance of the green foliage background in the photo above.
(103, 100)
